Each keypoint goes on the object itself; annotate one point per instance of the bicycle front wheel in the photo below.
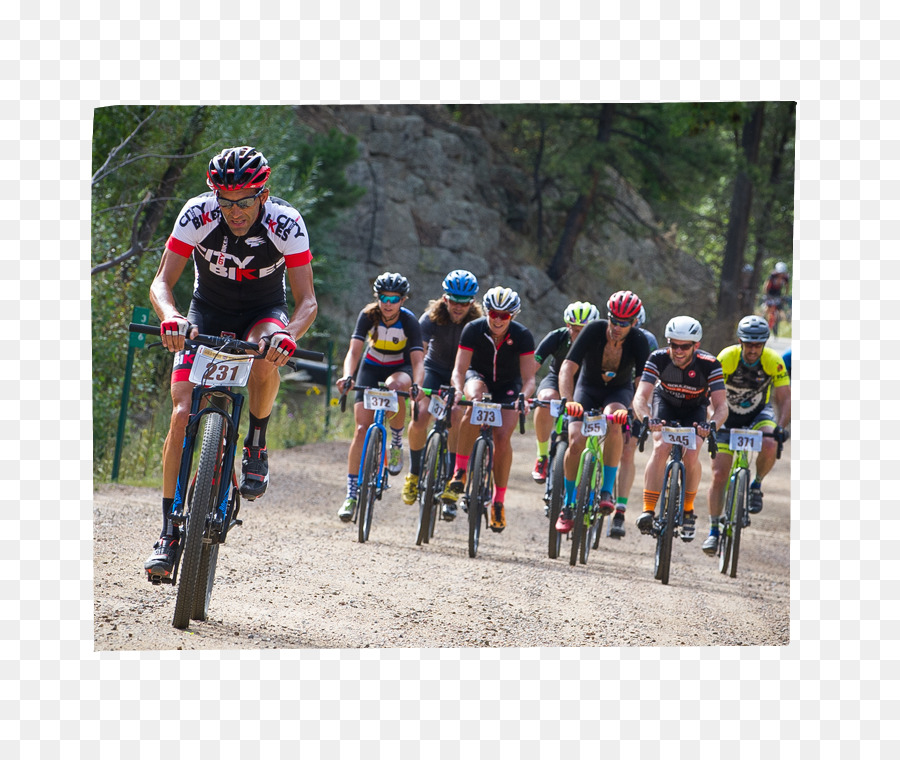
(583, 491)
(726, 529)
(741, 507)
(368, 486)
(480, 491)
(434, 465)
(557, 497)
(668, 509)
(206, 485)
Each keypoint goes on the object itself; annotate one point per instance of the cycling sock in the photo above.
(415, 461)
(462, 461)
(650, 499)
(352, 485)
(543, 448)
(621, 503)
(500, 494)
(713, 526)
(689, 500)
(756, 483)
(256, 435)
(570, 490)
(609, 478)
(396, 437)
(168, 527)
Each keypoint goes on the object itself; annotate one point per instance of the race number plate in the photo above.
(686, 437)
(594, 425)
(212, 367)
(745, 440)
(381, 398)
(484, 413)
(556, 407)
(437, 407)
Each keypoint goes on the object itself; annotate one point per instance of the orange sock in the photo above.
(650, 499)
(689, 500)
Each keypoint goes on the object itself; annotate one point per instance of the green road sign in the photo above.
(141, 315)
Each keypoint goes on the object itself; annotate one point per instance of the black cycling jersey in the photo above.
(240, 274)
(587, 352)
(497, 364)
(688, 387)
(554, 347)
(443, 341)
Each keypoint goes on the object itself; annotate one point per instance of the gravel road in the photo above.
(294, 576)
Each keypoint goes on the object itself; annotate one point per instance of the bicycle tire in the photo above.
(723, 549)
(672, 492)
(582, 495)
(479, 482)
(433, 464)
(209, 557)
(557, 497)
(368, 486)
(742, 505)
(196, 521)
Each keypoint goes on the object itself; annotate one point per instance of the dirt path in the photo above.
(294, 576)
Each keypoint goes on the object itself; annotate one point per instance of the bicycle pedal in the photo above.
(156, 580)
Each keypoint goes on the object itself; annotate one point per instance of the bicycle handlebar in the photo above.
(518, 404)
(766, 434)
(710, 439)
(350, 385)
(217, 341)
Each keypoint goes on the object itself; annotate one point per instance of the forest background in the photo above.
(688, 204)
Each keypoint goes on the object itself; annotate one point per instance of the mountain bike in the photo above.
(373, 475)
(588, 520)
(555, 488)
(479, 494)
(736, 516)
(207, 504)
(437, 465)
(669, 515)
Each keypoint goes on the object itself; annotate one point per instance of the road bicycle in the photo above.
(587, 525)
(555, 488)
(743, 442)
(207, 503)
(669, 516)
(479, 494)
(373, 474)
(438, 467)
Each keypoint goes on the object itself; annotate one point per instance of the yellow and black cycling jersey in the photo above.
(749, 388)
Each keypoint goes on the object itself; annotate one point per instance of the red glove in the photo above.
(283, 341)
(574, 409)
(620, 417)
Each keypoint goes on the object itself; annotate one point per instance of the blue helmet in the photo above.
(460, 284)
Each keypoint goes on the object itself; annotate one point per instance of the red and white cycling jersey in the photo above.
(240, 274)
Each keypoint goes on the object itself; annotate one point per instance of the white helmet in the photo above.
(780, 267)
(684, 328)
(502, 299)
(641, 317)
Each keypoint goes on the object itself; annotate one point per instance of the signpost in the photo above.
(141, 315)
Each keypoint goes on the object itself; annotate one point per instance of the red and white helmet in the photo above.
(624, 305)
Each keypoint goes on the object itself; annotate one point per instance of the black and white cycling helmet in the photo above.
(641, 317)
(580, 313)
(502, 299)
(684, 328)
(237, 169)
(753, 329)
(391, 282)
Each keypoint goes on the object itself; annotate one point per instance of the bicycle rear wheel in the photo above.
(582, 508)
(480, 490)
(201, 505)
(741, 506)
(669, 502)
(368, 486)
(557, 497)
(434, 465)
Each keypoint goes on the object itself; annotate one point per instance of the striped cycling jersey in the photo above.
(389, 346)
(688, 387)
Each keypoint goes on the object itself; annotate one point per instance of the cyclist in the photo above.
(495, 356)
(244, 244)
(606, 355)
(554, 347)
(775, 287)
(676, 383)
(441, 325)
(386, 347)
(626, 464)
(753, 375)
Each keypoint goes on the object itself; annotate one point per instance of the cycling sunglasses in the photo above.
(459, 299)
(680, 346)
(504, 315)
(242, 203)
(620, 322)
(389, 299)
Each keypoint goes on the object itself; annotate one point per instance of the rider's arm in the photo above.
(719, 407)
(567, 373)
(351, 360)
(528, 368)
(641, 401)
(162, 298)
(783, 404)
(460, 367)
(417, 360)
(300, 280)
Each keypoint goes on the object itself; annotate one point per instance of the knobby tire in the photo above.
(433, 466)
(557, 497)
(190, 583)
(480, 490)
(580, 538)
(742, 505)
(368, 486)
(672, 494)
(726, 533)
